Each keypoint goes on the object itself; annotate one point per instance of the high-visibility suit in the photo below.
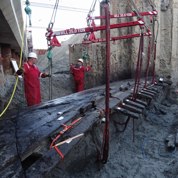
(78, 73)
(32, 84)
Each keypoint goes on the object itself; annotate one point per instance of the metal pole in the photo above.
(107, 110)
(107, 59)
(50, 80)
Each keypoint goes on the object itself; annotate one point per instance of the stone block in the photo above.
(164, 5)
(170, 140)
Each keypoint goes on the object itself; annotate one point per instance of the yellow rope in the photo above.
(17, 79)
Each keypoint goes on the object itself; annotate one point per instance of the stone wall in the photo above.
(164, 45)
(174, 55)
(124, 53)
(167, 46)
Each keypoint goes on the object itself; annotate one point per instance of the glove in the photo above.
(48, 75)
(19, 72)
(44, 75)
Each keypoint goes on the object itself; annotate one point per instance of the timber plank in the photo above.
(133, 103)
(34, 138)
(36, 124)
(131, 108)
(26, 144)
(8, 155)
(41, 118)
(13, 170)
(49, 160)
(8, 149)
(127, 112)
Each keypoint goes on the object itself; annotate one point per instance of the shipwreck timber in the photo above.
(25, 141)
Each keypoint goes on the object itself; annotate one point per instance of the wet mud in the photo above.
(147, 156)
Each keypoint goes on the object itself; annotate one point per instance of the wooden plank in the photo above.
(8, 151)
(127, 112)
(51, 158)
(133, 103)
(34, 138)
(13, 170)
(131, 108)
(27, 126)
(147, 93)
(36, 124)
(139, 101)
(150, 91)
(143, 95)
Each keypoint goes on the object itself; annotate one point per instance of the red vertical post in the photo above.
(107, 109)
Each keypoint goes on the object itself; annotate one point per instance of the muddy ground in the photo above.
(148, 156)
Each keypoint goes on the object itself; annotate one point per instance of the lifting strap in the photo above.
(152, 4)
(140, 53)
(65, 129)
(139, 65)
(51, 43)
(54, 42)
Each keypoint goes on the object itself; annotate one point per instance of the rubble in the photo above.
(170, 141)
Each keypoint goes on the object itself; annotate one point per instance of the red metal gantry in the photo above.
(51, 36)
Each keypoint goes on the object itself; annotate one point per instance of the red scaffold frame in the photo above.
(124, 15)
(140, 22)
(50, 34)
(93, 29)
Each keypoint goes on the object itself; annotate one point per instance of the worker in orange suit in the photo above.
(31, 75)
(78, 72)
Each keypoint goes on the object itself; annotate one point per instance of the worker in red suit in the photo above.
(78, 72)
(31, 75)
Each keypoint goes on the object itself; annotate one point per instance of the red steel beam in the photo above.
(130, 14)
(99, 40)
(93, 29)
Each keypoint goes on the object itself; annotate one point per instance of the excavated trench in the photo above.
(148, 155)
(148, 150)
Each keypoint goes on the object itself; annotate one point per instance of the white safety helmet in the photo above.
(32, 55)
(80, 60)
(161, 79)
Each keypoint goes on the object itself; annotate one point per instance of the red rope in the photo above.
(59, 152)
(66, 128)
(139, 66)
(141, 60)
